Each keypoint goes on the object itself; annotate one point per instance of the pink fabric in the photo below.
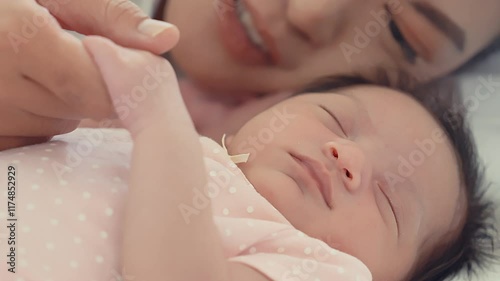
(70, 200)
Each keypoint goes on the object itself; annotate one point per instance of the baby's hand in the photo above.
(140, 83)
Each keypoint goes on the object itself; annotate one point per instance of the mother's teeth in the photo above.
(246, 20)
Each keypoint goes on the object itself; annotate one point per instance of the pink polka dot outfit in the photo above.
(69, 208)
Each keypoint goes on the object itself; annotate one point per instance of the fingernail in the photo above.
(152, 28)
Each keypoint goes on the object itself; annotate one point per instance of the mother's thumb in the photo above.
(119, 20)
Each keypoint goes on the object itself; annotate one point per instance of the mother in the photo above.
(307, 40)
(49, 83)
(244, 48)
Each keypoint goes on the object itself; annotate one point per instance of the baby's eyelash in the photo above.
(334, 118)
(392, 206)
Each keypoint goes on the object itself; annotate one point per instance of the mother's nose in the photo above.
(348, 161)
(319, 21)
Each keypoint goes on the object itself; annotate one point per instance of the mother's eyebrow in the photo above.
(442, 22)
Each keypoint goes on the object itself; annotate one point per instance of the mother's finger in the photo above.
(58, 62)
(119, 20)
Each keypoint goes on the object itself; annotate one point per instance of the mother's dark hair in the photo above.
(493, 48)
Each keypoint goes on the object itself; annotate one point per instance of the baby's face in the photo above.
(367, 170)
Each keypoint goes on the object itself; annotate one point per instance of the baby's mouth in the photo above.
(316, 174)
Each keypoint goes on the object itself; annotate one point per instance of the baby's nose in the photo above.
(347, 161)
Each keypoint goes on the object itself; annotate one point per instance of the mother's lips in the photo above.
(320, 175)
(265, 33)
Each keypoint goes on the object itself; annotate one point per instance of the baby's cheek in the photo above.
(271, 185)
(367, 245)
(385, 259)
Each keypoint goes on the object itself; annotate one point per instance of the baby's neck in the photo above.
(178, 71)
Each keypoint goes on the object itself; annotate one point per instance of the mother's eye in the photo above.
(408, 51)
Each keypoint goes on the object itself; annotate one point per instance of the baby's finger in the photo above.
(123, 68)
(137, 81)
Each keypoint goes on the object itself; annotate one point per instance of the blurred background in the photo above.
(485, 120)
(146, 5)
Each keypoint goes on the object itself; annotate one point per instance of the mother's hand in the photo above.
(48, 81)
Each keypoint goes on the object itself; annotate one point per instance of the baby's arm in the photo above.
(167, 164)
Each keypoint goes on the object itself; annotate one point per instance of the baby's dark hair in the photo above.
(473, 248)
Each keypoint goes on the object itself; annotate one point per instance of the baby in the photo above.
(366, 178)
(361, 184)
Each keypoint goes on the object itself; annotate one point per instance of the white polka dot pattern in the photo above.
(68, 217)
(73, 197)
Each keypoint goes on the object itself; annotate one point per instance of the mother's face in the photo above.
(306, 40)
